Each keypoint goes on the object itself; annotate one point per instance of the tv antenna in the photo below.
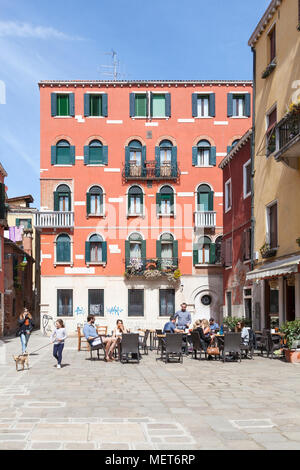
(112, 71)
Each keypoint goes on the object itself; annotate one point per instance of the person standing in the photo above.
(184, 318)
(58, 338)
(26, 326)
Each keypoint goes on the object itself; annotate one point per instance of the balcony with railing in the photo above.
(152, 268)
(205, 219)
(288, 137)
(54, 219)
(150, 170)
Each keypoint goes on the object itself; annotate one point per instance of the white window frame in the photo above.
(268, 206)
(227, 207)
(245, 179)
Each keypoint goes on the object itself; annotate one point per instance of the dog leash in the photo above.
(33, 352)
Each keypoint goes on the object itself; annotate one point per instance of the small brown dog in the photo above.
(21, 359)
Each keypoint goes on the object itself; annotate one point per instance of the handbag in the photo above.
(96, 342)
(213, 351)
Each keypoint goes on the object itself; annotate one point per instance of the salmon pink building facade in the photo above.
(3, 223)
(131, 217)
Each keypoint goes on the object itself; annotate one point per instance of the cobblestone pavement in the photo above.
(151, 405)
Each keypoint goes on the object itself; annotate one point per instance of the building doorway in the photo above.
(290, 301)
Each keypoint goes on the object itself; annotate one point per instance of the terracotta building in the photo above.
(3, 174)
(131, 213)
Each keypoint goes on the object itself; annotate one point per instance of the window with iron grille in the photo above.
(136, 302)
(96, 302)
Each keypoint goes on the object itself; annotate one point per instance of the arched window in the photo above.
(135, 201)
(63, 248)
(204, 250)
(165, 157)
(95, 249)
(95, 153)
(94, 201)
(165, 201)
(167, 250)
(135, 250)
(135, 156)
(205, 198)
(218, 243)
(62, 198)
(203, 153)
(63, 153)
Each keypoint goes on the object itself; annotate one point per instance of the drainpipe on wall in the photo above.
(252, 158)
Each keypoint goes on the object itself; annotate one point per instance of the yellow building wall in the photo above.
(274, 180)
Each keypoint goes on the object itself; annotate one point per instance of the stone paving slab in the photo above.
(151, 405)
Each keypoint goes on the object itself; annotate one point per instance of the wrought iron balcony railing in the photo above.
(155, 266)
(288, 137)
(205, 219)
(150, 170)
(54, 219)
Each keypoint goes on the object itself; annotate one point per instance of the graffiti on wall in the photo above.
(115, 310)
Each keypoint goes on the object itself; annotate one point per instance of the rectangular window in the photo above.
(26, 223)
(64, 302)
(141, 105)
(96, 204)
(135, 205)
(239, 105)
(272, 41)
(96, 302)
(272, 225)
(228, 201)
(95, 105)
(247, 179)
(203, 156)
(228, 252)
(202, 106)
(271, 134)
(136, 302)
(228, 302)
(247, 244)
(166, 302)
(63, 105)
(158, 105)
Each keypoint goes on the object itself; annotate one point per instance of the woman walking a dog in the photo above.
(25, 328)
(58, 338)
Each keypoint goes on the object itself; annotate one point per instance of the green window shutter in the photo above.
(17, 222)
(212, 105)
(158, 249)
(195, 255)
(175, 252)
(53, 155)
(248, 105)
(168, 104)
(53, 104)
(104, 252)
(72, 104)
(142, 203)
(104, 105)
(195, 156)
(86, 149)
(172, 203)
(29, 223)
(174, 161)
(88, 203)
(127, 252)
(87, 252)
(105, 155)
(132, 104)
(144, 249)
(229, 147)
(194, 105)
(212, 253)
(67, 251)
(213, 156)
(211, 201)
(144, 171)
(229, 105)
(158, 203)
(86, 104)
(56, 201)
(69, 201)
(151, 104)
(157, 162)
(72, 154)
(127, 159)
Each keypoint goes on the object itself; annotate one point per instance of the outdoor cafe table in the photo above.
(151, 334)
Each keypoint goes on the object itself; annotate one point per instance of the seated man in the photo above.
(213, 325)
(170, 326)
(91, 334)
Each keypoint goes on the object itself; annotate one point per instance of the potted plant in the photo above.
(291, 331)
(231, 322)
(266, 251)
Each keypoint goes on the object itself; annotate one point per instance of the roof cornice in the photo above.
(268, 15)
(90, 83)
(235, 149)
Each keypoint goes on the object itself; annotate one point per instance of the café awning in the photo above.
(277, 268)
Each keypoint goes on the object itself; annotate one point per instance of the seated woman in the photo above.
(117, 334)
(204, 339)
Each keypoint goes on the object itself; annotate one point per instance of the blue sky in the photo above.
(161, 39)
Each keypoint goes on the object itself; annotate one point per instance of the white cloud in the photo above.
(26, 30)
